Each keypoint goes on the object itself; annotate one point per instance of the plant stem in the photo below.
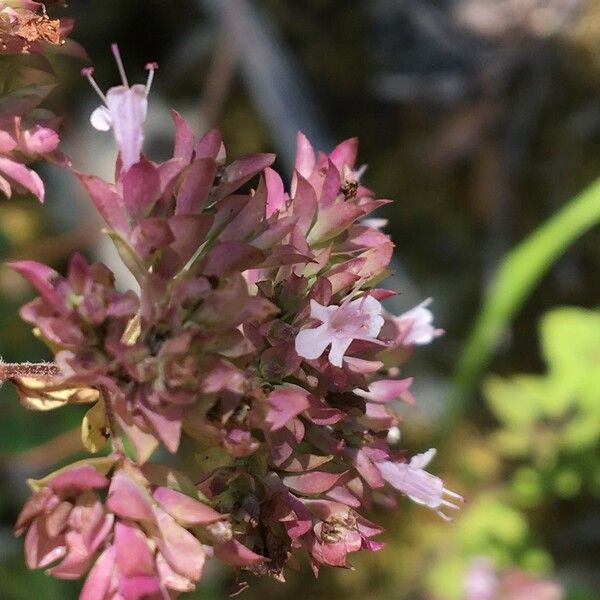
(37, 370)
(116, 441)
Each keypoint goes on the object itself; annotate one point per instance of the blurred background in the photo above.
(481, 119)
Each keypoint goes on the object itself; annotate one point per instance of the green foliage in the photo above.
(519, 273)
(553, 421)
(547, 439)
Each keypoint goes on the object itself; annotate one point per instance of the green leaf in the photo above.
(571, 341)
(489, 524)
(521, 270)
(516, 401)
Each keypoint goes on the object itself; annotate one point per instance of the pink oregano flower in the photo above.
(420, 486)
(354, 320)
(124, 110)
(237, 287)
(416, 325)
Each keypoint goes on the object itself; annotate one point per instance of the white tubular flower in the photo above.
(420, 486)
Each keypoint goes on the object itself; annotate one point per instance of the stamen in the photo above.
(454, 495)
(355, 290)
(87, 72)
(360, 172)
(150, 67)
(117, 55)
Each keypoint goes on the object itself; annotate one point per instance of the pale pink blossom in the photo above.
(420, 486)
(359, 319)
(481, 580)
(19, 146)
(124, 110)
(416, 325)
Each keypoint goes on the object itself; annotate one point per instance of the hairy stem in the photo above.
(15, 370)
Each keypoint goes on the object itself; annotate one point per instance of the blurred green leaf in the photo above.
(552, 421)
(445, 580)
(19, 583)
(537, 561)
(527, 487)
(515, 401)
(567, 483)
(491, 523)
(519, 273)
(571, 342)
(21, 430)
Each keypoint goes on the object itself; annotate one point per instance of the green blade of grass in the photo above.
(518, 274)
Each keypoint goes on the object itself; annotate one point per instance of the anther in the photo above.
(150, 67)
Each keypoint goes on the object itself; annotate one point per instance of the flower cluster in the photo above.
(27, 133)
(258, 333)
(137, 540)
(20, 145)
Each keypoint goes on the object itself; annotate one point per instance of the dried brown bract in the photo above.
(39, 28)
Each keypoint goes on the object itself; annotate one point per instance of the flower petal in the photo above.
(100, 119)
(311, 343)
(339, 346)
(25, 177)
(285, 403)
(128, 108)
(323, 313)
(134, 556)
(98, 581)
(236, 554)
(186, 510)
(181, 549)
(128, 499)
